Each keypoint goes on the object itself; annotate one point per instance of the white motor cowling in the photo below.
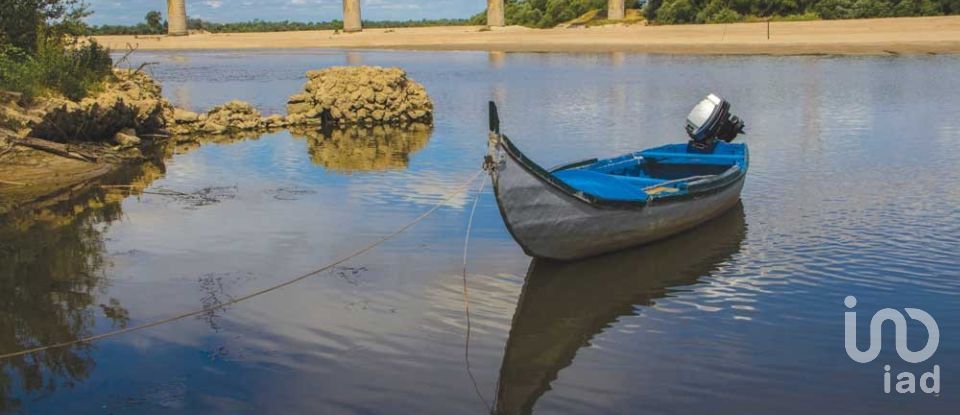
(710, 121)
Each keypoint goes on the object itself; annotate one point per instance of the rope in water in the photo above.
(258, 293)
(466, 296)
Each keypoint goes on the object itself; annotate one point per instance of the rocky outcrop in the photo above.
(359, 95)
(232, 117)
(131, 101)
(126, 138)
(131, 107)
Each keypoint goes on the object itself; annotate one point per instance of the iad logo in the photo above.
(906, 381)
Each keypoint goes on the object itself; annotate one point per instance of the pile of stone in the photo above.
(131, 102)
(234, 116)
(359, 95)
(131, 106)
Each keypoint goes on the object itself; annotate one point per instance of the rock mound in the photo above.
(359, 95)
(131, 101)
(231, 117)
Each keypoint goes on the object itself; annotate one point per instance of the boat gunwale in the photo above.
(693, 192)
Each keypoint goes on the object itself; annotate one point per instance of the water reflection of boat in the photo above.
(365, 148)
(565, 304)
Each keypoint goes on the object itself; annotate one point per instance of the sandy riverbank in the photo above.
(870, 36)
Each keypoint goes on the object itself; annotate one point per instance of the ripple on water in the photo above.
(850, 192)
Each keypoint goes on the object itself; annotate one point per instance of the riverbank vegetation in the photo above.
(729, 11)
(41, 51)
(545, 13)
(550, 13)
(153, 25)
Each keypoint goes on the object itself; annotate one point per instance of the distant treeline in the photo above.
(151, 26)
(546, 13)
(549, 13)
(727, 11)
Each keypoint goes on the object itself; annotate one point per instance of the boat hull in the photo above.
(548, 222)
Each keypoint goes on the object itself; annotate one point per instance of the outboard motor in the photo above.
(710, 121)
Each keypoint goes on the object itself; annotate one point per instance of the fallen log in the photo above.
(9, 183)
(52, 147)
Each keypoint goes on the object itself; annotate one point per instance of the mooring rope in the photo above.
(466, 296)
(258, 293)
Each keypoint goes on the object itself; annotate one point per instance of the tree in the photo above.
(22, 21)
(650, 9)
(677, 12)
(950, 6)
(41, 49)
(154, 21)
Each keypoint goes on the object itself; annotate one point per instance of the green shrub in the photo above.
(40, 53)
(718, 11)
(725, 15)
(19, 72)
(871, 8)
(677, 11)
(916, 8)
(650, 9)
(950, 6)
(805, 17)
(835, 9)
(73, 70)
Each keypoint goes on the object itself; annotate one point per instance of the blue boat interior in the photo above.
(666, 171)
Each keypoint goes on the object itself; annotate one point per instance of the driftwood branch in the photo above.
(154, 135)
(59, 149)
(9, 183)
(145, 64)
(126, 56)
(5, 150)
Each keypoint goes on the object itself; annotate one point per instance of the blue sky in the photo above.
(132, 11)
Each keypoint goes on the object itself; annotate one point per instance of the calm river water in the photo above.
(852, 190)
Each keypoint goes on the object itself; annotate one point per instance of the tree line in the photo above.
(549, 13)
(728, 11)
(153, 24)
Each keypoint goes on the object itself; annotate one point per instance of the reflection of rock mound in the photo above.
(360, 95)
(361, 149)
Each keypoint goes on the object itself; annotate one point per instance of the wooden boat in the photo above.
(603, 205)
(559, 311)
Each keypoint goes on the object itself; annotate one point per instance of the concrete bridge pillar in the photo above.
(615, 9)
(351, 16)
(495, 13)
(176, 17)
